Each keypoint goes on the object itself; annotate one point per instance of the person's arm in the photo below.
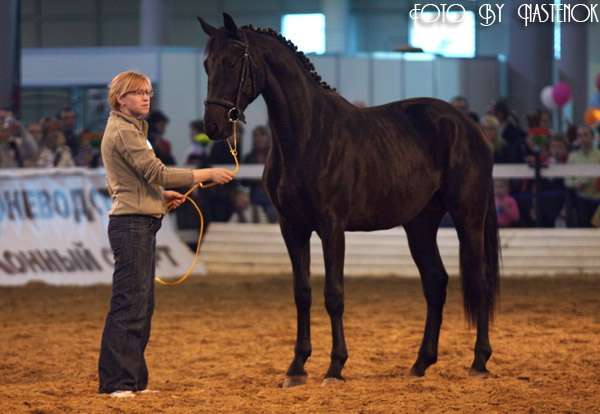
(137, 153)
(144, 161)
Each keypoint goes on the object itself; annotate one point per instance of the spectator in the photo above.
(511, 133)
(221, 197)
(586, 190)
(545, 119)
(261, 145)
(462, 104)
(491, 131)
(17, 147)
(157, 125)
(89, 150)
(538, 139)
(54, 151)
(68, 124)
(199, 150)
(506, 206)
(244, 211)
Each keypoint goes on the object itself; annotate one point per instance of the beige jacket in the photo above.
(135, 176)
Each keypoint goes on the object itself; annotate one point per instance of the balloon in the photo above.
(598, 81)
(547, 99)
(592, 116)
(561, 94)
(595, 101)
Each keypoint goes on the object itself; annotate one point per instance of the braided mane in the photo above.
(308, 65)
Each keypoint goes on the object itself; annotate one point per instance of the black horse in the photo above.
(334, 168)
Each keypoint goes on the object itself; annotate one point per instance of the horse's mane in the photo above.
(308, 65)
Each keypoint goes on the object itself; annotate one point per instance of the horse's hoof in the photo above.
(479, 373)
(417, 372)
(332, 381)
(294, 381)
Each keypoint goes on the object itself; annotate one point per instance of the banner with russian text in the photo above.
(53, 228)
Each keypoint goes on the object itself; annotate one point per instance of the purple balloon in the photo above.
(561, 93)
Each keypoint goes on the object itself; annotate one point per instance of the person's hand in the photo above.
(221, 175)
(173, 198)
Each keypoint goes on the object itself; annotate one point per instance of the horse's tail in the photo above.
(482, 293)
(493, 255)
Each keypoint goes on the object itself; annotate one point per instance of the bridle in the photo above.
(234, 112)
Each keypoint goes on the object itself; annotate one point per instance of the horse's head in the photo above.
(233, 77)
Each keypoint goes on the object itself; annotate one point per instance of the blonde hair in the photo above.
(490, 121)
(124, 82)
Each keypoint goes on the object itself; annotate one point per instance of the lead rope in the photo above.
(180, 279)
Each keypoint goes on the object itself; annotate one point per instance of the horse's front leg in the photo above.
(332, 236)
(297, 241)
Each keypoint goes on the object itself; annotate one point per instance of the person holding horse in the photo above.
(136, 179)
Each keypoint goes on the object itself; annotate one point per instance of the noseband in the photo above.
(234, 112)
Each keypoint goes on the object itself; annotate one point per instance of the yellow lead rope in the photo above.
(180, 279)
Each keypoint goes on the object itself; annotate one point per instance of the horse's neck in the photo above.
(289, 94)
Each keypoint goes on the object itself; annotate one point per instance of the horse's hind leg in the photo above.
(297, 240)
(421, 233)
(472, 258)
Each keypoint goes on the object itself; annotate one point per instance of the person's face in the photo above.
(584, 136)
(68, 119)
(136, 103)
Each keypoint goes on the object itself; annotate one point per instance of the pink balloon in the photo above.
(598, 81)
(561, 93)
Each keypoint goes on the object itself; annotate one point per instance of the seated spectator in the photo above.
(199, 150)
(221, 197)
(538, 139)
(462, 104)
(68, 125)
(244, 211)
(587, 190)
(506, 206)
(17, 147)
(261, 145)
(89, 150)
(54, 151)
(491, 131)
(511, 133)
(157, 125)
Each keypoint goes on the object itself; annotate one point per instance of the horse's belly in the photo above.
(379, 213)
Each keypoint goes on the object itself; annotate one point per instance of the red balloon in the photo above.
(561, 94)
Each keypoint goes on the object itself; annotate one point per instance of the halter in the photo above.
(234, 112)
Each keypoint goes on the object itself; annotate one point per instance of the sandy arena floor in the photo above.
(222, 345)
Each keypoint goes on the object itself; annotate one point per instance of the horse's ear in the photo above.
(230, 25)
(208, 29)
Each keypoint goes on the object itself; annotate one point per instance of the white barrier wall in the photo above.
(181, 82)
(53, 227)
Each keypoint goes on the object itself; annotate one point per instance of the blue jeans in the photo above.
(121, 364)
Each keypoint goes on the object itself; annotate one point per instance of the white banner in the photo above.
(53, 228)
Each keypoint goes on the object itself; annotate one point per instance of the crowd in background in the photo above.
(568, 202)
(54, 141)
